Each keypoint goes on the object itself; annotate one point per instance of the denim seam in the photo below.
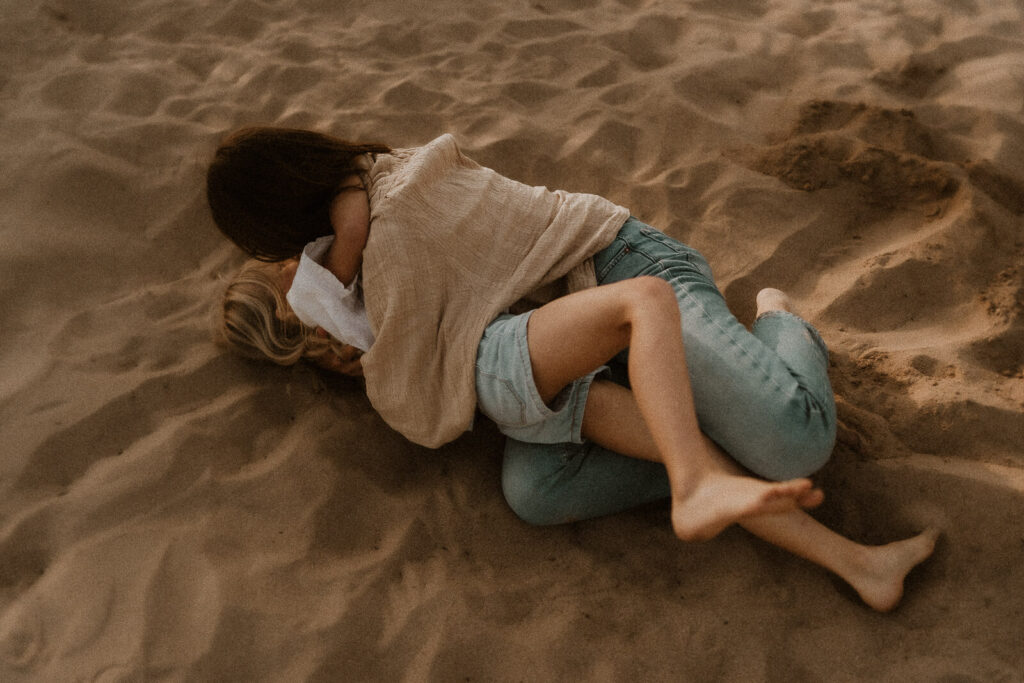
(662, 271)
(657, 236)
(627, 249)
(619, 255)
(707, 316)
(817, 406)
(565, 453)
(577, 414)
(580, 403)
(815, 335)
(510, 387)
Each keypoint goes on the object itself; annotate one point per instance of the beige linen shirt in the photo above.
(452, 244)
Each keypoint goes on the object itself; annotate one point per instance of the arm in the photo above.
(346, 362)
(350, 218)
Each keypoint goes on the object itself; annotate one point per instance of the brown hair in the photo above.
(270, 189)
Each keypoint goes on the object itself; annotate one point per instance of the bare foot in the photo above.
(720, 499)
(878, 578)
(774, 300)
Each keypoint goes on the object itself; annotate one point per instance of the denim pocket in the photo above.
(663, 239)
(498, 399)
(606, 260)
(640, 249)
(677, 250)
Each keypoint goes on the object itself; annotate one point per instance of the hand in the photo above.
(347, 361)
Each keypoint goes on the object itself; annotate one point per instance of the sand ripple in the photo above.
(170, 512)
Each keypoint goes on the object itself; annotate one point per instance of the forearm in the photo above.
(350, 217)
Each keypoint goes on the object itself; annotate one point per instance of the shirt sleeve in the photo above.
(321, 299)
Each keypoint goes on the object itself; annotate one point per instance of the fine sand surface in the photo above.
(170, 512)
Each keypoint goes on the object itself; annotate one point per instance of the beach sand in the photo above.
(171, 512)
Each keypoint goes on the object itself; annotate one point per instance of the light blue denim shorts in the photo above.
(507, 394)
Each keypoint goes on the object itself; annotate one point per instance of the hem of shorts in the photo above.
(522, 344)
(578, 390)
(580, 405)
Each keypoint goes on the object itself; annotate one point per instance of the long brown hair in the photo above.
(270, 189)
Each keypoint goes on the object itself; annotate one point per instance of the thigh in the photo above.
(578, 333)
(507, 393)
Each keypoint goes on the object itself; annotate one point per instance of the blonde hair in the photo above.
(256, 321)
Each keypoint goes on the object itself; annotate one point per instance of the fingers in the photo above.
(352, 368)
(345, 360)
(349, 353)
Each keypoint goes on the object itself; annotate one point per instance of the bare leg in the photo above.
(875, 572)
(575, 334)
(613, 419)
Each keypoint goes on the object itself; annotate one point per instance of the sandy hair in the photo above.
(256, 321)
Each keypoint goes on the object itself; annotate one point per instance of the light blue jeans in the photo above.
(762, 395)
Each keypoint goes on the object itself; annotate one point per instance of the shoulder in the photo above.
(442, 148)
(417, 169)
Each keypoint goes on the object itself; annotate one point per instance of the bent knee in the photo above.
(525, 483)
(792, 439)
(800, 451)
(527, 501)
(803, 458)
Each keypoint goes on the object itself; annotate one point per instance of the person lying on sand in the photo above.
(600, 346)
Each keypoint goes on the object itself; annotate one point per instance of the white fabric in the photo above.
(320, 298)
